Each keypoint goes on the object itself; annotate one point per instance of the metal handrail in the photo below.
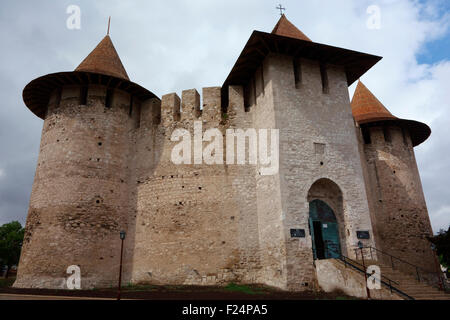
(357, 263)
(387, 284)
(416, 267)
(361, 265)
(393, 257)
(354, 264)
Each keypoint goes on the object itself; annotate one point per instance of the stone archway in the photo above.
(327, 223)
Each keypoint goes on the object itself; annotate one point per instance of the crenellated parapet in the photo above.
(184, 111)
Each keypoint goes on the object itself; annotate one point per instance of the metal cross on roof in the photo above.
(280, 7)
(109, 23)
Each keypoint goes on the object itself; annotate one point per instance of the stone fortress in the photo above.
(347, 173)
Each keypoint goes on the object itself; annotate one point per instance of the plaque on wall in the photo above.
(362, 234)
(297, 233)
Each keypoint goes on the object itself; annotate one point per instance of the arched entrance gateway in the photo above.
(326, 225)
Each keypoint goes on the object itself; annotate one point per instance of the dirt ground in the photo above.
(151, 292)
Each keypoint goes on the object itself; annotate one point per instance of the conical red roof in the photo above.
(285, 28)
(104, 60)
(367, 108)
(102, 66)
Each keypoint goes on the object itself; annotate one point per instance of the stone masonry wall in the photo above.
(80, 196)
(307, 117)
(102, 170)
(196, 223)
(399, 209)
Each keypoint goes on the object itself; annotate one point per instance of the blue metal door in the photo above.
(330, 236)
(324, 231)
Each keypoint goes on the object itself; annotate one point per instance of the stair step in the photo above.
(408, 282)
(428, 293)
(420, 292)
(425, 297)
(406, 287)
(420, 289)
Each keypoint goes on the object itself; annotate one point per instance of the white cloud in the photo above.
(169, 46)
(441, 218)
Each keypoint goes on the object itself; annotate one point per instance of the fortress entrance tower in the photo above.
(300, 88)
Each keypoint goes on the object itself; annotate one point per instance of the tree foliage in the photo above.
(442, 243)
(11, 238)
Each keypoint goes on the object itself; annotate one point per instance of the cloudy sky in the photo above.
(168, 46)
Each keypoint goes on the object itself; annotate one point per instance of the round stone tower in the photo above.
(81, 197)
(399, 213)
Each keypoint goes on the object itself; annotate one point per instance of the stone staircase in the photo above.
(409, 284)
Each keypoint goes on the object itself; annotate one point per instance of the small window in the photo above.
(387, 134)
(405, 136)
(297, 72)
(247, 96)
(58, 98)
(262, 81)
(324, 76)
(254, 90)
(319, 148)
(366, 135)
(131, 106)
(109, 98)
(83, 95)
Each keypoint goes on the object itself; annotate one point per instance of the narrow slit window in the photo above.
(366, 135)
(131, 106)
(247, 94)
(405, 136)
(254, 90)
(387, 134)
(58, 98)
(297, 72)
(109, 98)
(137, 112)
(83, 95)
(324, 76)
(262, 80)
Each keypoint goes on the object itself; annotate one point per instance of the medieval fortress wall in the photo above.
(106, 165)
(104, 168)
(217, 223)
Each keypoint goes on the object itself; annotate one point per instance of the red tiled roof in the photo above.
(285, 28)
(367, 108)
(104, 60)
(102, 66)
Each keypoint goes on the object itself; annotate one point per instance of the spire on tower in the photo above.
(367, 110)
(366, 107)
(104, 60)
(285, 28)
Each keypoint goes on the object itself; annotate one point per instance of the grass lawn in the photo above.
(6, 283)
